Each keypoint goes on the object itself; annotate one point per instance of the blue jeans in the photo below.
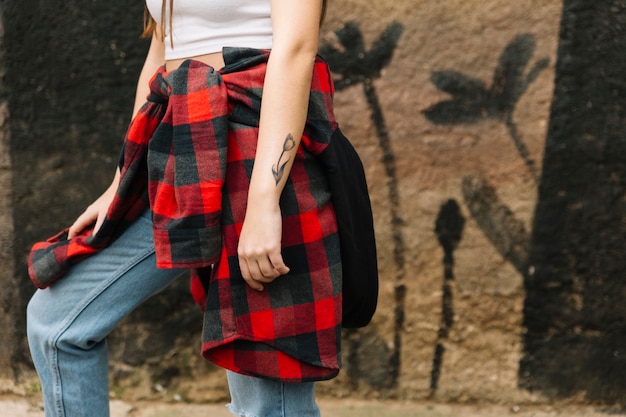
(68, 323)
(255, 397)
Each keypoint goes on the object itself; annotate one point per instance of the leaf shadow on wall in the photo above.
(573, 260)
(473, 102)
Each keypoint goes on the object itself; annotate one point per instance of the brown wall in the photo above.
(461, 335)
(7, 275)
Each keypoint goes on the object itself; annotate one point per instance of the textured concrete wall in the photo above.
(10, 317)
(497, 192)
(574, 310)
(452, 127)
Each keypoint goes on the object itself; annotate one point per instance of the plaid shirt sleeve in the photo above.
(186, 168)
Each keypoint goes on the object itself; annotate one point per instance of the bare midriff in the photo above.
(215, 60)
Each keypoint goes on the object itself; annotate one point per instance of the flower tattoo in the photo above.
(279, 169)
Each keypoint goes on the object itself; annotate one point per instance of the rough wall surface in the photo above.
(453, 128)
(10, 313)
(574, 309)
(480, 173)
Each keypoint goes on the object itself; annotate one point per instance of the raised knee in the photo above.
(34, 318)
(40, 322)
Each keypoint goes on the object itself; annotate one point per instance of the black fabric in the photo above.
(353, 209)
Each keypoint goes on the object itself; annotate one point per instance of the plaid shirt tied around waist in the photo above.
(188, 157)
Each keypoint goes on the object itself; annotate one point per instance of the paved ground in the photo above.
(16, 406)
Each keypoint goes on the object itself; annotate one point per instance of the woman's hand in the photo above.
(96, 212)
(260, 259)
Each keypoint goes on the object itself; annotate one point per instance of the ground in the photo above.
(12, 405)
(24, 400)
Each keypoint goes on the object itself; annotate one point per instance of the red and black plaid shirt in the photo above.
(188, 156)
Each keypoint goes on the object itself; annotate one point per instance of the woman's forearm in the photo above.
(154, 59)
(286, 92)
(283, 115)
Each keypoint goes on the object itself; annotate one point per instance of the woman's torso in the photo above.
(200, 28)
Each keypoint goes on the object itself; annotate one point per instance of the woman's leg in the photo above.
(256, 397)
(68, 323)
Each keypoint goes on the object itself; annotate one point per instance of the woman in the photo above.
(218, 175)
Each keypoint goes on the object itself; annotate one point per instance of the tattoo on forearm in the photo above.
(279, 169)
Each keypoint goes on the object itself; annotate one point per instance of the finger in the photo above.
(268, 272)
(247, 276)
(279, 264)
(79, 225)
(98, 224)
(254, 268)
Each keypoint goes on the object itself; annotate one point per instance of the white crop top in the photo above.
(206, 26)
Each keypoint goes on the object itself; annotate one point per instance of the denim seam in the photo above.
(282, 399)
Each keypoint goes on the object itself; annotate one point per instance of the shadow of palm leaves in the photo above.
(472, 101)
(356, 65)
(353, 62)
(497, 221)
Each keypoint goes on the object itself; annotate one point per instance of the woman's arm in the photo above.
(96, 211)
(284, 107)
(154, 60)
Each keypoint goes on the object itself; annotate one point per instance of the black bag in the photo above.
(348, 187)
